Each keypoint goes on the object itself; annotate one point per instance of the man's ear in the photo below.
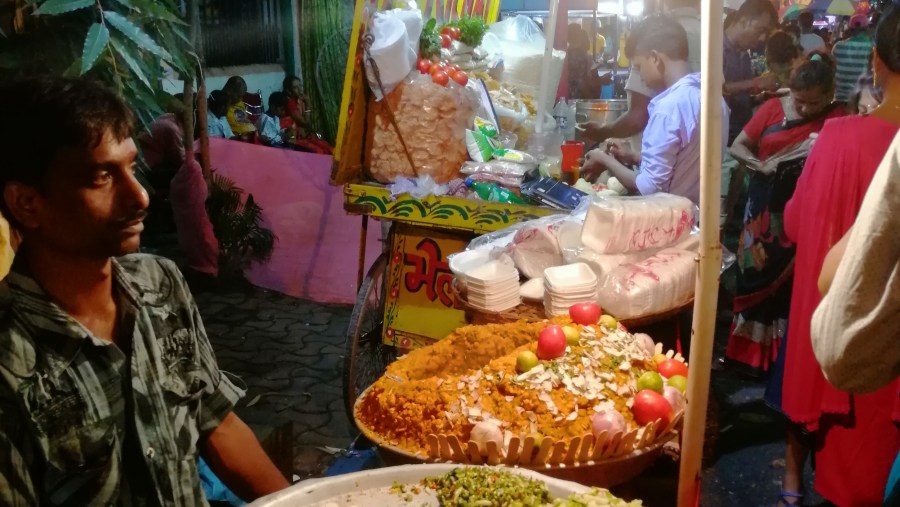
(23, 202)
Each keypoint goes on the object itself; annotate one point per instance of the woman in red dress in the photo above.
(857, 436)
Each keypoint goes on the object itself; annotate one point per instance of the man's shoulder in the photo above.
(151, 271)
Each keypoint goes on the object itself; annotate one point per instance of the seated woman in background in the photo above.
(297, 106)
(238, 118)
(216, 122)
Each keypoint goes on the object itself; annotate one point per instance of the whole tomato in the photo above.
(451, 31)
(671, 367)
(460, 77)
(551, 343)
(440, 77)
(423, 65)
(452, 67)
(650, 406)
(438, 67)
(586, 314)
(446, 41)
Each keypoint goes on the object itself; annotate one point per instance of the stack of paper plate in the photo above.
(493, 287)
(568, 285)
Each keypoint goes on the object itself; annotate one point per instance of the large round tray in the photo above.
(604, 473)
(372, 488)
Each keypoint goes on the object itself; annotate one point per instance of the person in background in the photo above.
(849, 429)
(579, 64)
(268, 124)
(633, 122)
(854, 329)
(809, 40)
(670, 153)
(298, 106)
(238, 118)
(866, 96)
(599, 43)
(216, 121)
(109, 388)
(765, 256)
(782, 55)
(852, 56)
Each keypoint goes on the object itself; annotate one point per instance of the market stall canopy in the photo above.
(841, 8)
(819, 5)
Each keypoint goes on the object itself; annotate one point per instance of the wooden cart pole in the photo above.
(710, 254)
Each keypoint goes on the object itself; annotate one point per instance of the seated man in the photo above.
(269, 124)
(670, 153)
(216, 120)
(236, 113)
(109, 388)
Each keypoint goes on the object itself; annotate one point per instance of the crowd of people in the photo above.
(284, 124)
(803, 140)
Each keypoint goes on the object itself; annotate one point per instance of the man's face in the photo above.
(650, 66)
(91, 207)
(754, 32)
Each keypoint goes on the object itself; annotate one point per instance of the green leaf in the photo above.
(133, 63)
(135, 33)
(95, 42)
(126, 3)
(159, 11)
(63, 6)
(74, 69)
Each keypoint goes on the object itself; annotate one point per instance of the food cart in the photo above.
(412, 273)
(405, 298)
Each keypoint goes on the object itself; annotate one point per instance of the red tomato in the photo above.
(451, 68)
(650, 406)
(586, 314)
(423, 65)
(451, 31)
(438, 67)
(440, 77)
(671, 367)
(446, 41)
(551, 343)
(460, 77)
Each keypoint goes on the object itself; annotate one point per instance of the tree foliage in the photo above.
(128, 44)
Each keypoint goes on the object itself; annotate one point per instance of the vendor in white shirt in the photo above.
(669, 160)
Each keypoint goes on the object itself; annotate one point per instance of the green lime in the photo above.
(526, 360)
(609, 322)
(678, 382)
(652, 381)
(572, 335)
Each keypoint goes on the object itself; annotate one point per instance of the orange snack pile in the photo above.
(471, 376)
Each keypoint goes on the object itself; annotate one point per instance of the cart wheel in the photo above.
(366, 357)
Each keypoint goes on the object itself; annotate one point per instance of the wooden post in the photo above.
(710, 254)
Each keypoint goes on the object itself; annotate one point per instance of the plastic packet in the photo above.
(629, 224)
(497, 167)
(485, 127)
(519, 157)
(432, 119)
(419, 188)
(662, 282)
(479, 146)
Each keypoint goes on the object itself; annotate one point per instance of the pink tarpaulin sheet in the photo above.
(316, 255)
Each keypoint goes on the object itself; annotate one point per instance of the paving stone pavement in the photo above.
(288, 354)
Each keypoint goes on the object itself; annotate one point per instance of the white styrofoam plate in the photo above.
(570, 277)
(463, 262)
(372, 488)
(533, 290)
(494, 271)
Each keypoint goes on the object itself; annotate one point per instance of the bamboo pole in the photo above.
(703, 328)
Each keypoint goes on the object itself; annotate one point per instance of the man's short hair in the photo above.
(661, 34)
(757, 9)
(805, 19)
(46, 115)
(278, 99)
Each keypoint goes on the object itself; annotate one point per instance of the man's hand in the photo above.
(595, 163)
(767, 82)
(595, 130)
(621, 150)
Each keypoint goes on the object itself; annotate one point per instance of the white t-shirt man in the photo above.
(812, 42)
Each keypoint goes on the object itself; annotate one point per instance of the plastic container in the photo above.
(493, 192)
